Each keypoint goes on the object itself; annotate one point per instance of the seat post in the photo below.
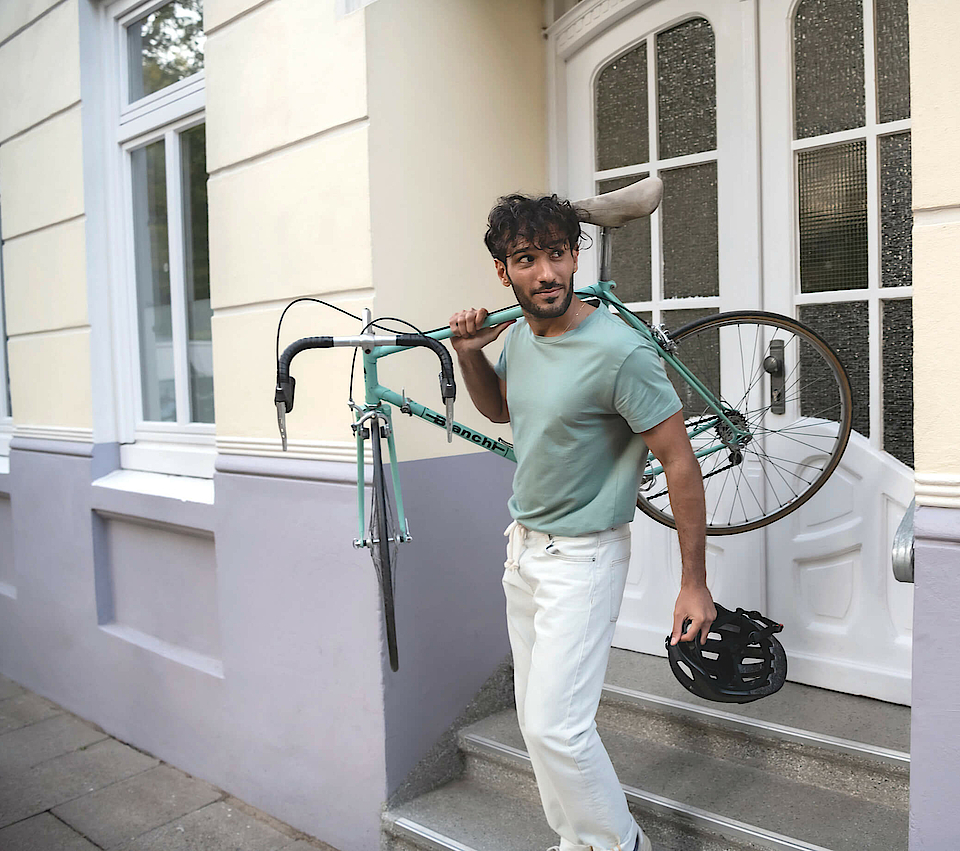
(606, 253)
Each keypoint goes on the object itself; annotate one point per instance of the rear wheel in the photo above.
(784, 387)
(383, 542)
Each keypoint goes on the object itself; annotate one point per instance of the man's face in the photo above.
(541, 277)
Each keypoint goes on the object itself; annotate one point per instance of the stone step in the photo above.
(468, 815)
(755, 734)
(872, 725)
(714, 796)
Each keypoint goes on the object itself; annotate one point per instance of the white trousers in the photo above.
(563, 598)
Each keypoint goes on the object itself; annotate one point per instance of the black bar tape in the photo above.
(448, 387)
(283, 365)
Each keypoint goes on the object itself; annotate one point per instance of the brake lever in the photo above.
(284, 400)
(282, 422)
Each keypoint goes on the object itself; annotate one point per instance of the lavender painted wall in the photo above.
(935, 725)
(241, 640)
(451, 626)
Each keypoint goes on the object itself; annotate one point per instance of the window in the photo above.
(853, 180)
(162, 285)
(655, 109)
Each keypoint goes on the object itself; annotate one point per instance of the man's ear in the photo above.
(502, 272)
(576, 254)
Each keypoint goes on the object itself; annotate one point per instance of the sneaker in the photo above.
(646, 845)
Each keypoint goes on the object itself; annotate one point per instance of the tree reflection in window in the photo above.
(165, 46)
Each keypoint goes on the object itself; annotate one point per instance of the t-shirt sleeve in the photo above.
(642, 393)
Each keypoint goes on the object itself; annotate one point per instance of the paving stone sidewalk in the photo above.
(65, 785)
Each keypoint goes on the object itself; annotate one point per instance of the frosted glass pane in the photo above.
(845, 328)
(893, 60)
(164, 47)
(689, 228)
(622, 111)
(703, 359)
(833, 217)
(896, 213)
(152, 257)
(197, 273)
(897, 353)
(828, 56)
(686, 89)
(631, 250)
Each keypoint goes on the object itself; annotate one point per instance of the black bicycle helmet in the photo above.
(744, 663)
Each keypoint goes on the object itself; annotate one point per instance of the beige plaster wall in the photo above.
(457, 96)
(16, 14)
(287, 152)
(41, 192)
(935, 106)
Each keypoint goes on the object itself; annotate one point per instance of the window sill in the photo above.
(181, 460)
(183, 501)
(183, 488)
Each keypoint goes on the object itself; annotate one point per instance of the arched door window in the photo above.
(655, 113)
(854, 221)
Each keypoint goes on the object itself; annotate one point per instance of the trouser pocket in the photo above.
(581, 549)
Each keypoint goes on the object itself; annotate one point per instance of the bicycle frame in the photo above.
(378, 399)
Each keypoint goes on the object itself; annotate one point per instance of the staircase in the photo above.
(802, 770)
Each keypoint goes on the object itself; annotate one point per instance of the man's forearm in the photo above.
(685, 484)
(483, 384)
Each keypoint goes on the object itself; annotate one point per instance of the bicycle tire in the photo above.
(792, 454)
(383, 543)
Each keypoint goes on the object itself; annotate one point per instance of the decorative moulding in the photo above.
(585, 19)
(302, 450)
(940, 490)
(64, 433)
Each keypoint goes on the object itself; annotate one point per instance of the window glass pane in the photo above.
(164, 47)
(845, 327)
(151, 250)
(689, 227)
(631, 249)
(828, 52)
(703, 359)
(197, 273)
(898, 379)
(833, 217)
(622, 111)
(686, 89)
(896, 213)
(893, 60)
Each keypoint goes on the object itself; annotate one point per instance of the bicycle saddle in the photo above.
(622, 205)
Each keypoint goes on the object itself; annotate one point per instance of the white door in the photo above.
(665, 91)
(661, 88)
(836, 225)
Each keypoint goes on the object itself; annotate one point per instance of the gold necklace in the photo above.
(570, 323)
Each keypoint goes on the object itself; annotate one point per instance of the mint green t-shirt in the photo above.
(578, 403)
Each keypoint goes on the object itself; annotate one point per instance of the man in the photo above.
(586, 396)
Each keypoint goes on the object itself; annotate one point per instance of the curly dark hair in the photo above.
(535, 219)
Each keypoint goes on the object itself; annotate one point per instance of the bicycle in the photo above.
(767, 406)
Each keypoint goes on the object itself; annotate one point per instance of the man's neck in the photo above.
(574, 315)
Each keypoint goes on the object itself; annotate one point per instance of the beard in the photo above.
(559, 306)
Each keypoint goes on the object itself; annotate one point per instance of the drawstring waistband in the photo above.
(516, 539)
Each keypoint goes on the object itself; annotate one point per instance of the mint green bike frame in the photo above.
(379, 399)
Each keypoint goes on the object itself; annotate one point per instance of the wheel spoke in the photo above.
(781, 466)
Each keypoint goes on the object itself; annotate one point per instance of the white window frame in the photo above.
(874, 294)
(6, 419)
(182, 447)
